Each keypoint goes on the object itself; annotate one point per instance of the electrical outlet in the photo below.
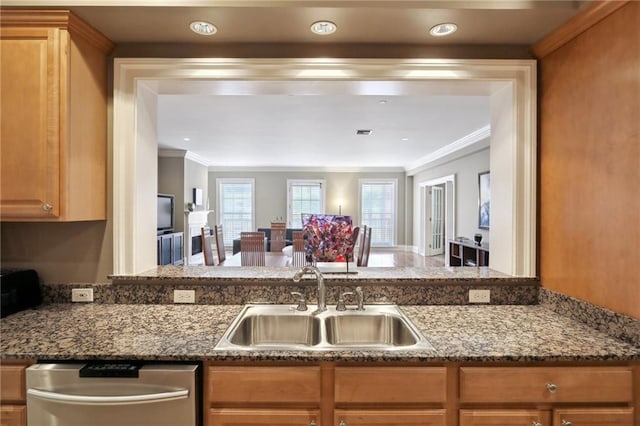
(82, 295)
(184, 296)
(479, 296)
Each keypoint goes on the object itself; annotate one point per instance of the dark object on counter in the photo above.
(478, 238)
(20, 289)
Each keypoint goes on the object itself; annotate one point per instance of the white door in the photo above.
(437, 221)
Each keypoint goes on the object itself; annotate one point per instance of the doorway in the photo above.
(437, 213)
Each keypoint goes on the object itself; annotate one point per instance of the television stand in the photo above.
(467, 253)
(170, 248)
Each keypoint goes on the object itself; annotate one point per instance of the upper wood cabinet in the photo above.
(53, 119)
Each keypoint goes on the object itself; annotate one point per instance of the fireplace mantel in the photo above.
(193, 222)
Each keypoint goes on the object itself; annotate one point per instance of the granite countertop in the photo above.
(190, 332)
(278, 274)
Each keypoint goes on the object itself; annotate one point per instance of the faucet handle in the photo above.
(302, 301)
(341, 306)
(360, 298)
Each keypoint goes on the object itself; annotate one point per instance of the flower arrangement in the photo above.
(329, 238)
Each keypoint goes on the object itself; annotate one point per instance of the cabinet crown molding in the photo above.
(63, 19)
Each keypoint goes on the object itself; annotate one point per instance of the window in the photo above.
(235, 207)
(303, 196)
(378, 209)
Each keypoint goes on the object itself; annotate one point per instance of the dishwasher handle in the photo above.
(109, 400)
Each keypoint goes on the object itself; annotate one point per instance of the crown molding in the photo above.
(306, 169)
(182, 153)
(449, 150)
(575, 26)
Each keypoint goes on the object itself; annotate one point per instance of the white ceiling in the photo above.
(313, 124)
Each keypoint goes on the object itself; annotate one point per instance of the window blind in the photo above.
(304, 197)
(236, 209)
(378, 211)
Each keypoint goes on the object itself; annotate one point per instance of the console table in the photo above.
(467, 253)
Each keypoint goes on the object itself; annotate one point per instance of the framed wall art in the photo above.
(484, 200)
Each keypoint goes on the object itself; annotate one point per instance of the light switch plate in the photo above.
(479, 296)
(184, 296)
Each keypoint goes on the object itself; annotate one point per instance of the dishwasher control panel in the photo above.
(102, 369)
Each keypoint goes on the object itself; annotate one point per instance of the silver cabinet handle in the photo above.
(552, 388)
(566, 423)
(342, 423)
(109, 400)
(47, 207)
(536, 423)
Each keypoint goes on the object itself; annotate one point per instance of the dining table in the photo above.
(271, 259)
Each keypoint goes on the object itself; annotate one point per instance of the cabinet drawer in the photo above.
(268, 417)
(390, 417)
(12, 383)
(264, 384)
(13, 415)
(594, 416)
(545, 384)
(390, 384)
(511, 417)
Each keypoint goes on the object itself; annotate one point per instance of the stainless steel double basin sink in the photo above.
(282, 327)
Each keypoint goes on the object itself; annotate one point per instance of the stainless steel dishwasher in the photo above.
(115, 393)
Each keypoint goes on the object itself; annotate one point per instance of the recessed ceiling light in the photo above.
(323, 27)
(186, 139)
(203, 28)
(382, 101)
(405, 139)
(443, 29)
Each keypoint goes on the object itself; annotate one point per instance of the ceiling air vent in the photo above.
(364, 132)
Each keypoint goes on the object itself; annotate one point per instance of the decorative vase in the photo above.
(477, 238)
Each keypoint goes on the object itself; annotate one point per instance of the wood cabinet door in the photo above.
(593, 417)
(389, 417)
(29, 123)
(12, 384)
(263, 417)
(13, 415)
(506, 417)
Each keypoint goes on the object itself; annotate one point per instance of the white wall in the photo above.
(503, 183)
(466, 171)
(271, 193)
(146, 174)
(195, 176)
(171, 181)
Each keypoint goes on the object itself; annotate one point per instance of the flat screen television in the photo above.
(166, 207)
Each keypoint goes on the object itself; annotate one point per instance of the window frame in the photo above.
(394, 183)
(228, 242)
(323, 197)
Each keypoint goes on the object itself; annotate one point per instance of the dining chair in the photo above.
(361, 245)
(278, 236)
(298, 256)
(353, 240)
(366, 247)
(252, 252)
(222, 255)
(207, 247)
